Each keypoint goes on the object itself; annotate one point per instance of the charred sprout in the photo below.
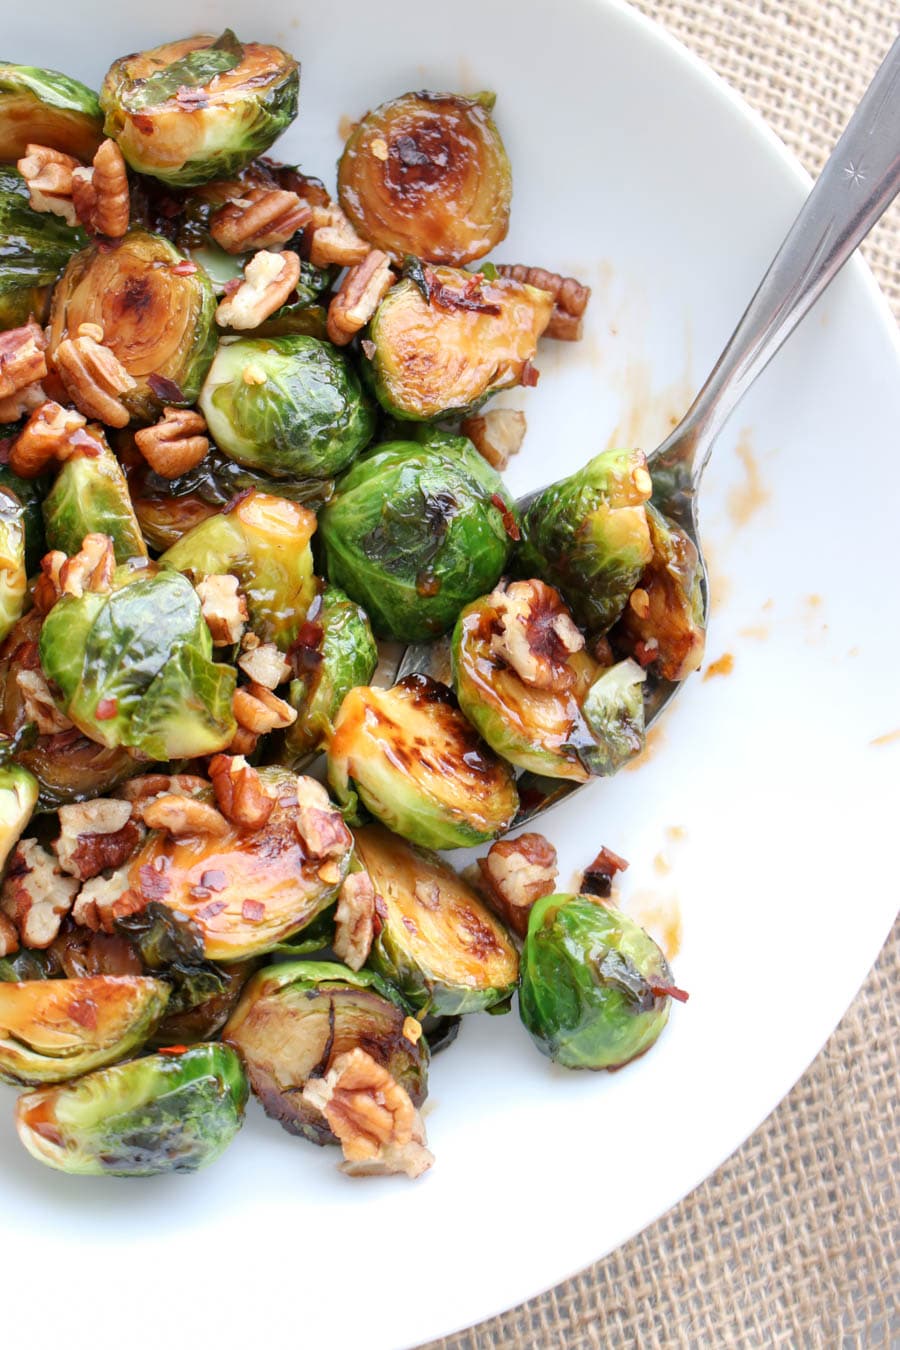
(13, 581)
(333, 652)
(18, 798)
(30, 493)
(34, 248)
(90, 496)
(43, 107)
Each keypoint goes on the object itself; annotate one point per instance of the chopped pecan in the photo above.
(36, 895)
(334, 239)
(354, 920)
(100, 194)
(534, 635)
(269, 278)
(321, 829)
(22, 359)
(23, 403)
(243, 742)
(9, 937)
(570, 298)
(223, 607)
(379, 1129)
(240, 792)
(598, 876)
(258, 219)
(38, 703)
(157, 784)
(360, 293)
(91, 569)
(94, 376)
(95, 836)
(181, 816)
(515, 874)
(265, 665)
(103, 899)
(496, 435)
(175, 444)
(51, 433)
(258, 710)
(48, 174)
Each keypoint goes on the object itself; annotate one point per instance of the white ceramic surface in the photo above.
(639, 172)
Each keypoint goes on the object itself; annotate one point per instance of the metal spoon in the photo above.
(857, 184)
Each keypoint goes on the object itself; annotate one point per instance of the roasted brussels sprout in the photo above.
(589, 535)
(291, 406)
(134, 667)
(171, 1112)
(666, 630)
(42, 107)
(90, 496)
(414, 532)
(409, 756)
(200, 108)
(51, 1030)
(295, 1019)
(614, 710)
(438, 944)
(18, 798)
(445, 342)
(333, 652)
(30, 493)
(156, 316)
(427, 174)
(595, 989)
(34, 248)
(13, 581)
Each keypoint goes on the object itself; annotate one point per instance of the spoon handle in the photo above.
(857, 184)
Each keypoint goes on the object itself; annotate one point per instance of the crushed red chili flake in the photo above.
(510, 524)
(530, 375)
(669, 991)
(645, 653)
(85, 442)
(214, 879)
(84, 1012)
(106, 709)
(155, 885)
(191, 98)
(211, 910)
(185, 268)
(471, 297)
(144, 124)
(598, 875)
(172, 1050)
(237, 499)
(379, 918)
(253, 911)
(232, 285)
(165, 389)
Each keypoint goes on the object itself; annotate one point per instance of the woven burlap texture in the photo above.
(794, 1241)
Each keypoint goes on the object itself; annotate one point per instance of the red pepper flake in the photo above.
(530, 375)
(88, 444)
(509, 521)
(237, 500)
(645, 653)
(106, 709)
(191, 98)
(144, 124)
(154, 885)
(253, 911)
(185, 268)
(166, 390)
(471, 297)
(408, 924)
(234, 284)
(172, 1050)
(214, 879)
(84, 1012)
(380, 917)
(669, 991)
(598, 875)
(211, 910)
(304, 652)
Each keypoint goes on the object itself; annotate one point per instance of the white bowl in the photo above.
(765, 815)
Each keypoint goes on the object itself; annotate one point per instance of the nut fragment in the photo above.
(91, 569)
(223, 608)
(570, 298)
(95, 836)
(322, 831)
(103, 899)
(100, 194)
(38, 703)
(258, 219)
(93, 377)
(175, 444)
(149, 785)
(240, 792)
(354, 920)
(269, 278)
(51, 433)
(379, 1129)
(534, 634)
(9, 937)
(260, 711)
(515, 874)
(360, 294)
(36, 895)
(22, 359)
(496, 435)
(265, 665)
(48, 174)
(334, 239)
(180, 816)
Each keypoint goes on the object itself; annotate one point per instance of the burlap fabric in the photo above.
(794, 1241)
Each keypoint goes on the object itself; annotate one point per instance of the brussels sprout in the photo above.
(30, 493)
(614, 711)
(172, 1112)
(668, 631)
(200, 108)
(409, 756)
(13, 581)
(26, 965)
(34, 248)
(264, 541)
(134, 668)
(90, 496)
(51, 1030)
(589, 536)
(427, 174)
(291, 406)
(334, 651)
(246, 891)
(42, 107)
(295, 1019)
(438, 944)
(156, 319)
(415, 532)
(18, 798)
(595, 988)
(444, 344)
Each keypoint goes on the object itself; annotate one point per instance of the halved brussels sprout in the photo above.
(667, 631)
(443, 344)
(246, 891)
(614, 711)
(30, 493)
(291, 406)
(595, 989)
(427, 174)
(43, 107)
(18, 798)
(34, 248)
(414, 532)
(409, 756)
(438, 944)
(134, 667)
(264, 541)
(199, 108)
(295, 1019)
(333, 652)
(51, 1030)
(171, 1112)
(589, 536)
(90, 496)
(156, 318)
(13, 581)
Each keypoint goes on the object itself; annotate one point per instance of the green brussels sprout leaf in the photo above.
(34, 248)
(90, 496)
(43, 107)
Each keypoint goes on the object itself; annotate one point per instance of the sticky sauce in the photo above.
(889, 738)
(723, 666)
(346, 126)
(676, 833)
(660, 915)
(758, 631)
(661, 865)
(649, 413)
(655, 738)
(750, 496)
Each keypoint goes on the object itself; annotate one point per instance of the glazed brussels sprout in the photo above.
(290, 406)
(200, 108)
(595, 989)
(30, 493)
(34, 248)
(18, 798)
(667, 630)
(589, 536)
(42, 107)
(414, 532)
(51, 1030)
(333, 652)
(409, 756)
(444, 343)
(427, 174)
(13, 581)
(134, 667)
(264, 541)
(156, 317)
(438, 944)
(170, 1112)
(90, 496)
(614, 711)
(295, 1019)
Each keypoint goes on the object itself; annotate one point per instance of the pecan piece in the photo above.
(51, 433)
(334, 239)
(354, 920)
(148, 785)
(38, 703)
(100, 194)
(515, 874)
(91, 569)
(95, 836)
(360, 293)
(22, 359)
(269, 279)
(496, 435)
(258, 219)
(103, 899)
(570, 298)
(223, 607)
(181, 816)
(534, 635)
(258, 710)
(265, 665)
(240, 792)
(48, 174)
(9, 937)
(175, 444)
(36, 895)
(94, 376)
